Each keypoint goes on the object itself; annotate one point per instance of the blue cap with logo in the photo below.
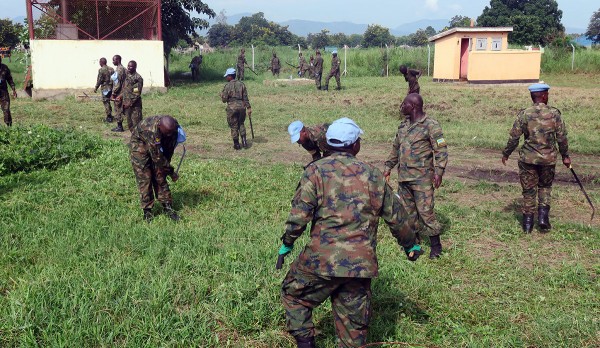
(230, 71)
(343, 132)
(538, 87)
(294, 129)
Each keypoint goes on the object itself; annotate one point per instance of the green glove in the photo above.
(284, 250)
(416, 250)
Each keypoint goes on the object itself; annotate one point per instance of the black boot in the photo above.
(168, 209)
(108, 119)
(244, 143)
(236, 144)
(436, 247)
(148, 216)
(118, 128)
(527, 223)
(326, 88)
(305, 342)
(544, 218)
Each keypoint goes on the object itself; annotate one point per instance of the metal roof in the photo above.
(470, 30)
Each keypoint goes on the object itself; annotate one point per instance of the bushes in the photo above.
(30, 148)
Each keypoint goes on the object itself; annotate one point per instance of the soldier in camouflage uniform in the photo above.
(418, 143)
(241, 64)
(118, 78)
(236, 96)
(412, 77)
(302, 66)
(334, 72)
(153, 142)
(6, 80)
(275, 65)
(195, 67)
(131, 94)
(318, 69)
(542, 127)
(104, 81)
(344, 198)
(312, 139)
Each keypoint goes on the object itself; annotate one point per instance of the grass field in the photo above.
(79, 268)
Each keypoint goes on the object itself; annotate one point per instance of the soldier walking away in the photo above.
(275, 65)
(104, 81)
(241, 64)
(236, 96)
(412, 77)
(131, 95)
(542, 127)
(302, 66)
(334, 72)
(312, 139)
(318, 69)
(6, 80)
(118, 78)
(195, 67)
(153, 142)
(344, 198)
(418, 143)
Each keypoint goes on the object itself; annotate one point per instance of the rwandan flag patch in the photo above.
(441, 142)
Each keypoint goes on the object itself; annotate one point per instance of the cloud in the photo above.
(432, 4)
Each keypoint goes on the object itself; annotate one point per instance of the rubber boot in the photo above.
(544, 218)
(168, 209)
(527, 223)
(108, 119)
(436, 247)
(118, 128)
(236, 144)
(305, 342)
(244, 143)
(148, 216)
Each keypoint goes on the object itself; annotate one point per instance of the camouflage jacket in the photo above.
(275, 64)
(147, 137)
(317, 143)
(415, 147)
(241, 60)
(103, 79)
(6, 78)
(196, 62)
(335, 65)
(132, 87)
(344, 198)
(412, 77)
(118, 84)
(235, 95)
(542, 127)
(302, 63)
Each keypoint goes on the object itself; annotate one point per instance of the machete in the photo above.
(583, 190)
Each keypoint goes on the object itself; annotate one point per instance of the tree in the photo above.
(419, 38)
(219, 35)
(430, 31)
(376, 36)
(9, 33)
(593, 29)
(256, 29)
(459, 21)
(177, 23)
(533, 21)
(319, 40)
(339, 40)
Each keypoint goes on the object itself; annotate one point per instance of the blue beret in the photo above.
(539, 87)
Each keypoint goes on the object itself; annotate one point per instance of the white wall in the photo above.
(73, 64)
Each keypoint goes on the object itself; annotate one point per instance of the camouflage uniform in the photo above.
(118, 90)
(415, 147)
(104, 81)
(195, 67)
(318, 70)
(317, 143)
(412, 77)
(236, 96)
(275, 66)
(344, 198)
(302, 66)
(542, 128)
(5, 80)
(241, 65)
(334, 72)
(150, 155)
(132, 99)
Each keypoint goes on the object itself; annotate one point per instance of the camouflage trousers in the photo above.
(418, 200)
(107, 106)
(536, 180)
(133, 112)
(235, 120)
(275, 71)
(195, 73)
(318, 79)
(5, 105)
(240, 72)
(118, 110)
(350, 303)
(337, 79)
(151, 183)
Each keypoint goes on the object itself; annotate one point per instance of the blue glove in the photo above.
(284, 250)
(416, 250)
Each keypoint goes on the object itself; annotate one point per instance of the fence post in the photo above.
(428, 58)
(252, 57)
(573, 59)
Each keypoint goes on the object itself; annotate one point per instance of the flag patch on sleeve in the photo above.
(441, 142)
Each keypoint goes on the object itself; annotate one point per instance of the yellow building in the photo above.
(481, 55)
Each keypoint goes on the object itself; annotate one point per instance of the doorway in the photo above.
(464, 58)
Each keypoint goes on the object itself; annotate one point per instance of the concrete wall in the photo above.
(67, 67)
(504, 66)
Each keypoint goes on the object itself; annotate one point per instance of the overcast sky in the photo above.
(389, 13)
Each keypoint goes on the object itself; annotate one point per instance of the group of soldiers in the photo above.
(314, 68)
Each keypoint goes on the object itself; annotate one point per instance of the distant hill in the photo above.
(409, 28)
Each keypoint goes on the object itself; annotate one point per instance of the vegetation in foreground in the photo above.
(78, 267)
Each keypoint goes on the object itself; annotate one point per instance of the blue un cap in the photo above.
(180, 135)
(343, 132)
(538, 87)
(294, 129)
(230, 71)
